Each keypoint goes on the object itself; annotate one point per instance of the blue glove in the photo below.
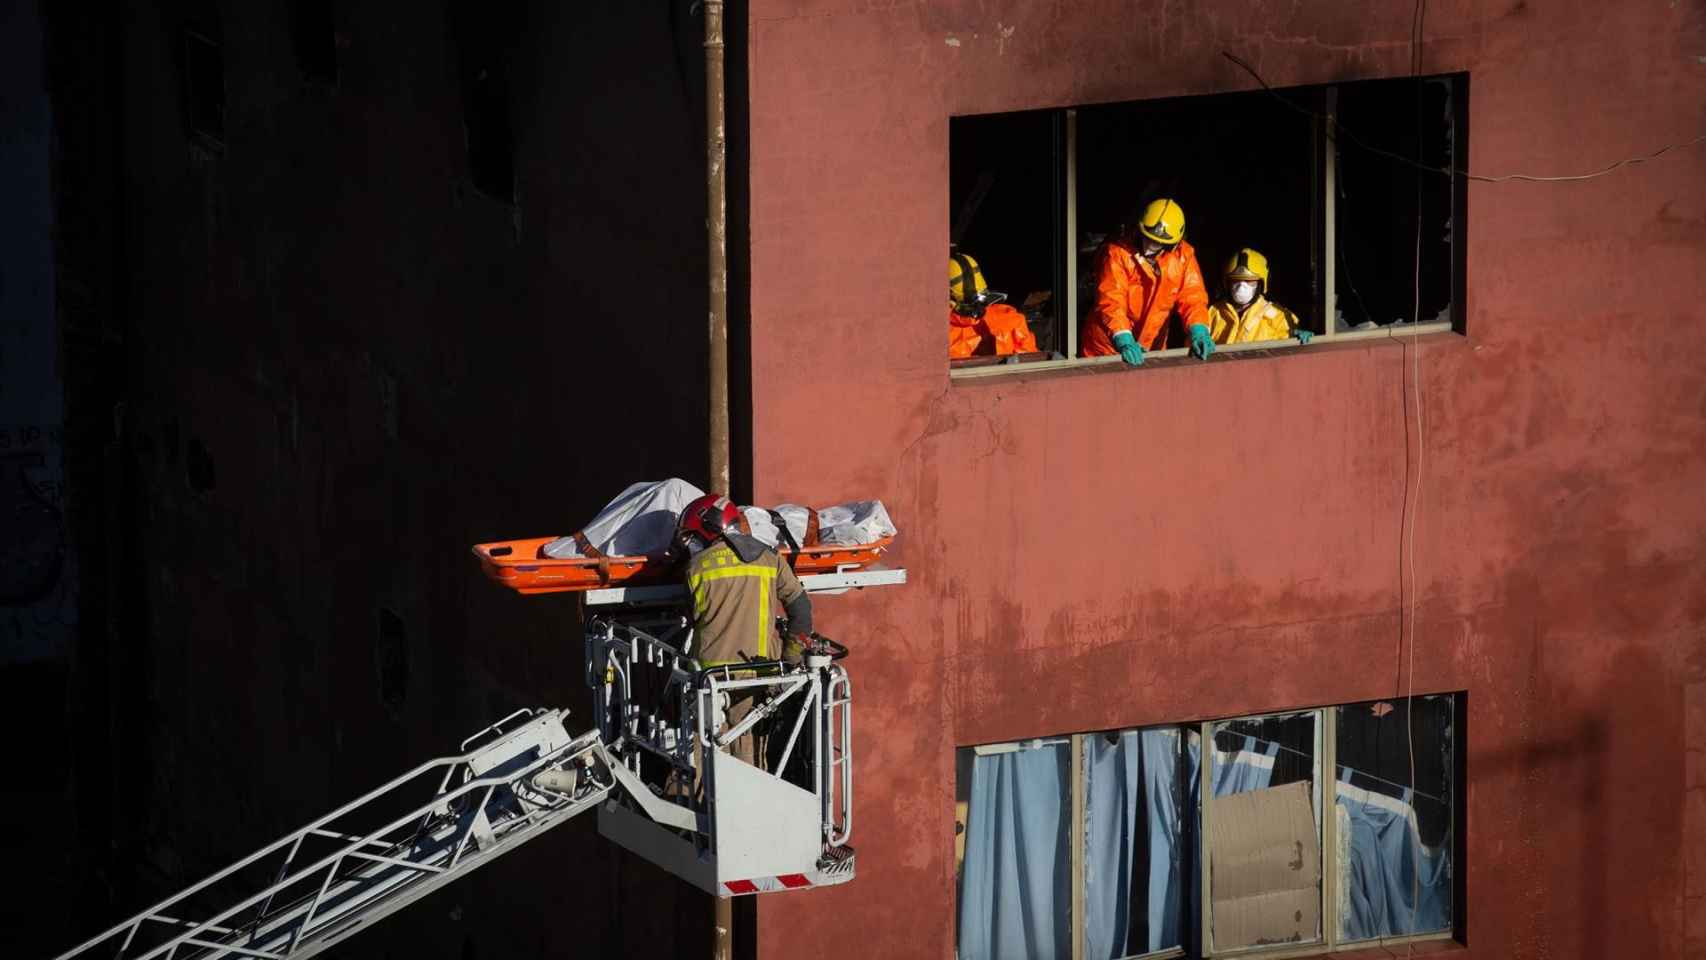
(1201, 343)
(1130, 352)
(1304, 336)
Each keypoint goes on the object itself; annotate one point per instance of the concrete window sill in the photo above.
(1232, 353)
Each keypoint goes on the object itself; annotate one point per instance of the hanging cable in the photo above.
(1335, 131)
(1417, 26)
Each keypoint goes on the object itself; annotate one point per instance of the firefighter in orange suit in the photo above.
(1142, 285)
(978, 322)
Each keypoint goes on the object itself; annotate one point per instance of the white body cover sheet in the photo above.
(641, 521)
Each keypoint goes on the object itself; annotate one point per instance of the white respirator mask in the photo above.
(1243, 291)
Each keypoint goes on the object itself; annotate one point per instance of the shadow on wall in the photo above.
(1571, 787)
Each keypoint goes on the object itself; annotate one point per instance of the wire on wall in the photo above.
(1336, 130)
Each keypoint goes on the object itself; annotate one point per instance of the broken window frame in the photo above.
(1325, 790)
(1325, 230)
(206, 107)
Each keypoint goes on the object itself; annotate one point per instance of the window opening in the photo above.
(483, 36)
(1376, 202)
(391, 659)
(1094, 845)
(1395, 842)
(204, 84)
(314, 37)
(1004, 172)
(1015, 881)
(1042, 197)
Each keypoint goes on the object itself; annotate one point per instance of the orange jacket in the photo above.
(1003, 328)
(1127, 285)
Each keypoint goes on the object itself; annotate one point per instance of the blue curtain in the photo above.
(1386, 858)
(1244, 769)
(1016, 893)
(1143, 787)
(1114, 800)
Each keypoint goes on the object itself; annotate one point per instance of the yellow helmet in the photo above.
(965, 280)
(1163, 221)
(1248, 264)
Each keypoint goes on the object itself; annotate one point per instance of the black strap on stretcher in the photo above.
(787, 536)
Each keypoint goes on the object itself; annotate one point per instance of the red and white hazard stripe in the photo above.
(787, 881)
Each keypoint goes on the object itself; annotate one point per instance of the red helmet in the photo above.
(707, 517)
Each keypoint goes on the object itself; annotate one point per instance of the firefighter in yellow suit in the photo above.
(1246, 315)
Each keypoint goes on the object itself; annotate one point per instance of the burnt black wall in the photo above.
(323, 353)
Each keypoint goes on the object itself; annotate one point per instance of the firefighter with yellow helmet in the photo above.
(978, 322)
(1142, 284)
(1246, 315)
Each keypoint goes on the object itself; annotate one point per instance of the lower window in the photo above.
(1094, 845)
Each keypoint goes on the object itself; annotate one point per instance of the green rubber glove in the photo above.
(1304, 336)
(1201, 343)
(1130, 352)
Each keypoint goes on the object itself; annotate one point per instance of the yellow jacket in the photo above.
(1261, 320)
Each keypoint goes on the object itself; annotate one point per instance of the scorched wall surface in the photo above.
(1091, 550)
(335, 364)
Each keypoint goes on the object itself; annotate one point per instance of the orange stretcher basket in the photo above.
(521, 565)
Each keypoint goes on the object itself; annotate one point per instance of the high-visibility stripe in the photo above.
(729, 566)
(743, 570)
(764, 620)
(787, 881)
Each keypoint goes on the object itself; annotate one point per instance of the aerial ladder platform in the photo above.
(656, 765)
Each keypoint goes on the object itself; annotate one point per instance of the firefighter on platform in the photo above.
(738, 586)
(1247, 315)
(1142, 283)
(978, 322)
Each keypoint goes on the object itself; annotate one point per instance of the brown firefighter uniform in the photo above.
(739, 586)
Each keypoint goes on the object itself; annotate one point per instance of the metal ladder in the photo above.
(524, 775)
(334, 876)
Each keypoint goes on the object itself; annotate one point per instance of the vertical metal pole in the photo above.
(1330, 219)
(1070, 301)
(716, 222)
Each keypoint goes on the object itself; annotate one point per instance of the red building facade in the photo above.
(1104, 548)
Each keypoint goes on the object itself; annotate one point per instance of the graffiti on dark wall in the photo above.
(37, 579)
(32, 555)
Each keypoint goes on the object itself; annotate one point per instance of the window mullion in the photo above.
(1329, 827)
(1069, 303)
(1330, 218)
(1080, 840)
(1205, 788)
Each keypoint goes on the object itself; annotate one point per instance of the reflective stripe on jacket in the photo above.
(1262, 320)
(736, 602)
(1132, 295)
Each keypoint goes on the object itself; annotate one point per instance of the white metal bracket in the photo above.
(828, 584)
